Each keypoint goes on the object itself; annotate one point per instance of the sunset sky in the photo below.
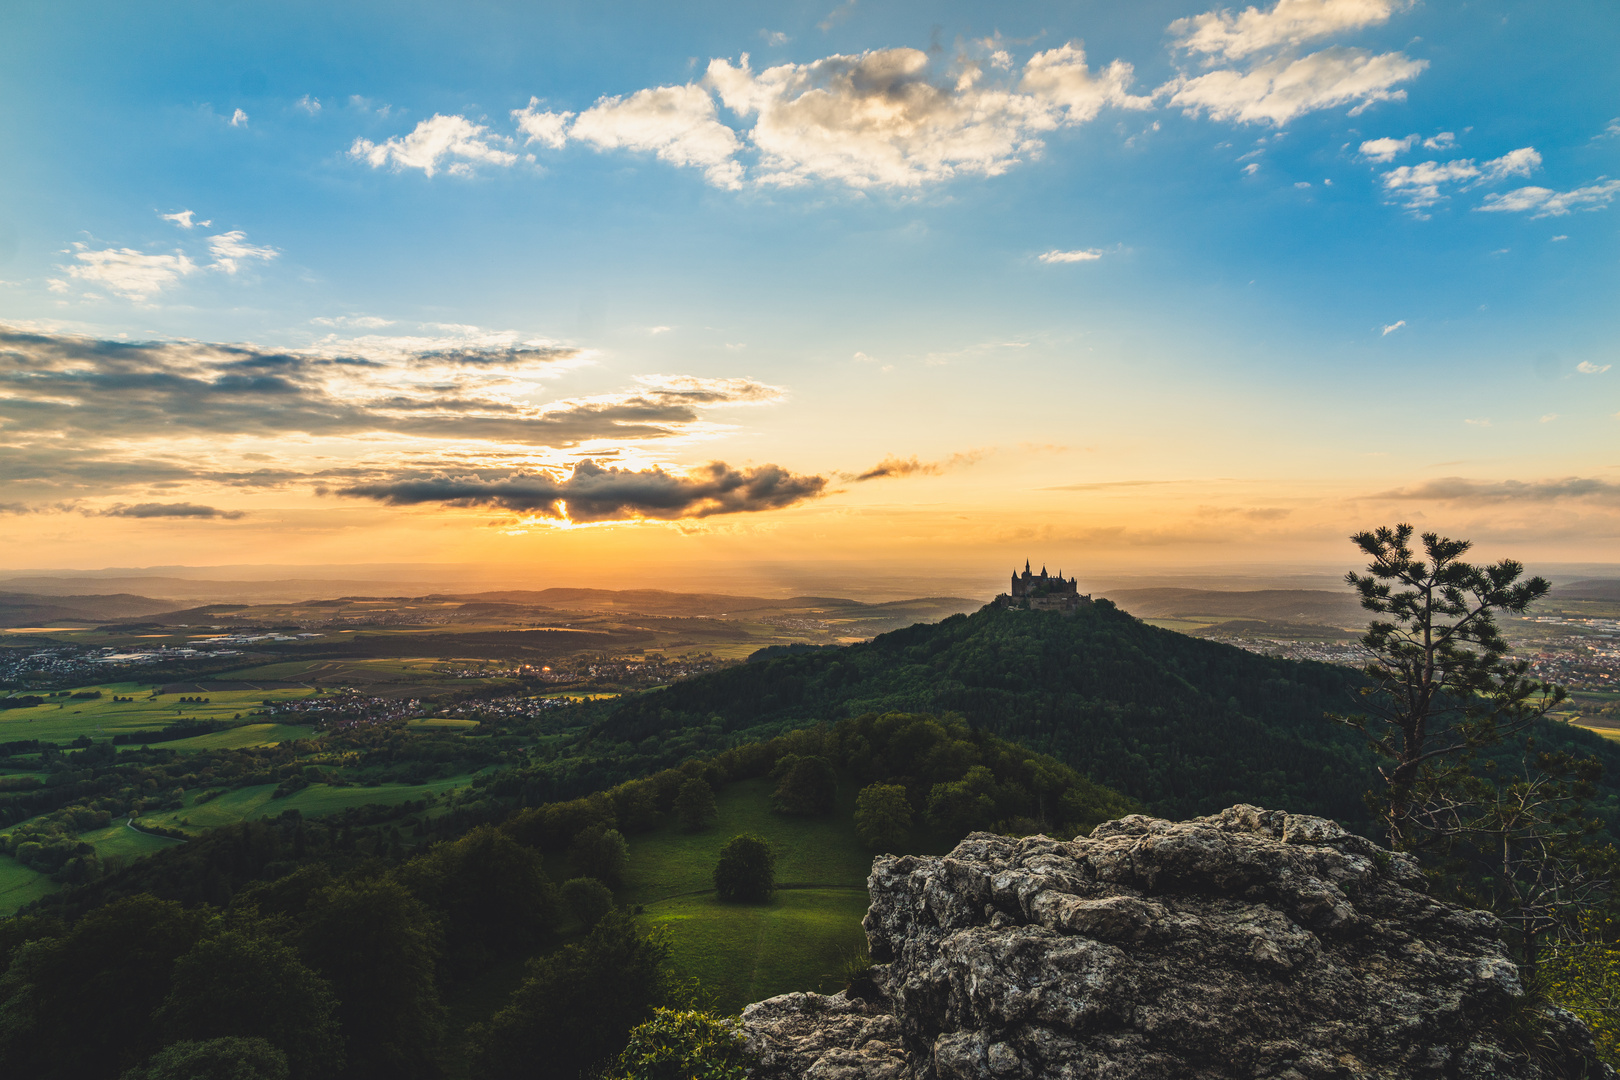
(548, 288)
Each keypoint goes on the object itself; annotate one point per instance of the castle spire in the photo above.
(1026, 566)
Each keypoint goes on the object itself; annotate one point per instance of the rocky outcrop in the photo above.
(1248, 944)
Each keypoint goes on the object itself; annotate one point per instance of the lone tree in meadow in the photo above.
(746, 872)
(694, 804)
(1442, 685)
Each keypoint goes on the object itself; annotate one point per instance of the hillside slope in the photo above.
(1187, 726)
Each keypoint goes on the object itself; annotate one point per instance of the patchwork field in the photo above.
(61, 720)
(250, 803)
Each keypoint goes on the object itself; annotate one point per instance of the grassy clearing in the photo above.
(744, 953)
(810, 851)
(121, 840)
(442, 722)
(240, 738)
(64, 719)
(251, 803)
(20, 885)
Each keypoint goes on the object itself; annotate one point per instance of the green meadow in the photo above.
(64, 719)
(250, 803)
(745, 952)
(20, 885)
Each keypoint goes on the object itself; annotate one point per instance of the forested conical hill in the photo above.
(1187, 726)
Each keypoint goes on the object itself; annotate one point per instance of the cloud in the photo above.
(184, 219)
(311, 105)
(879, 119)
(59, 391)
(367, 322)
(1386, 149)
(1544, 202)
(1083, 255)
(434, 141)
(1418, 186)
(538, 125)
(1394, 326)
(231, 249)
(130, 273)
(1289, 23)
(1586, 367)
(774, 37)
(1458, 489)
(238, 118)
(594, 493)
(677, 123)
(1443, 141)
(1281, 89)
(170, 510)
(893, 467)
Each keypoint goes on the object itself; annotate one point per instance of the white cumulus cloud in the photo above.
(238, 118)
(1281, 89)
(1083, 255)
(1418, 186)
(309, 104)
(436, 140)
(185, 219)
(1392, 327)
(1586, 367)
(1386, 149)
(538, 125)
(1287, 24)
(678, 123)
(231, 250)
(1545, 202)
(878, 119)
(130, 273)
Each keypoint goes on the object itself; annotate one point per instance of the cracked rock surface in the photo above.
(1250, 944)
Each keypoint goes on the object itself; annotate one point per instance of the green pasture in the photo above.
(452, 722)
(748, 952)
(118, 839)
(20, 885)
(240, 738)
(822, 851)
(744, 952)
(63, 719)
(251, 803)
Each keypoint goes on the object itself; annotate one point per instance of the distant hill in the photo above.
(1311, 606)
(714, 605)
(1592, 589)
(1185, 725)
(30, 609)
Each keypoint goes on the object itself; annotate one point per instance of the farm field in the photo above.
(240, 738)
(20, 885)
(250, 803)
(65, 719)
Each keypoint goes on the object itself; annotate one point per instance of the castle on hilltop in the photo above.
(1041, 592)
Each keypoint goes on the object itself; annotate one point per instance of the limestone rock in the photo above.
(1248, 944)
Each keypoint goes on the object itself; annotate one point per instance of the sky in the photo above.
(644, 293)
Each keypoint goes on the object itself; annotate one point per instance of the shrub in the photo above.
(684, 1046)
(746, 872)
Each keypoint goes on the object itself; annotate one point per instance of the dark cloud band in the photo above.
(595, 493)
